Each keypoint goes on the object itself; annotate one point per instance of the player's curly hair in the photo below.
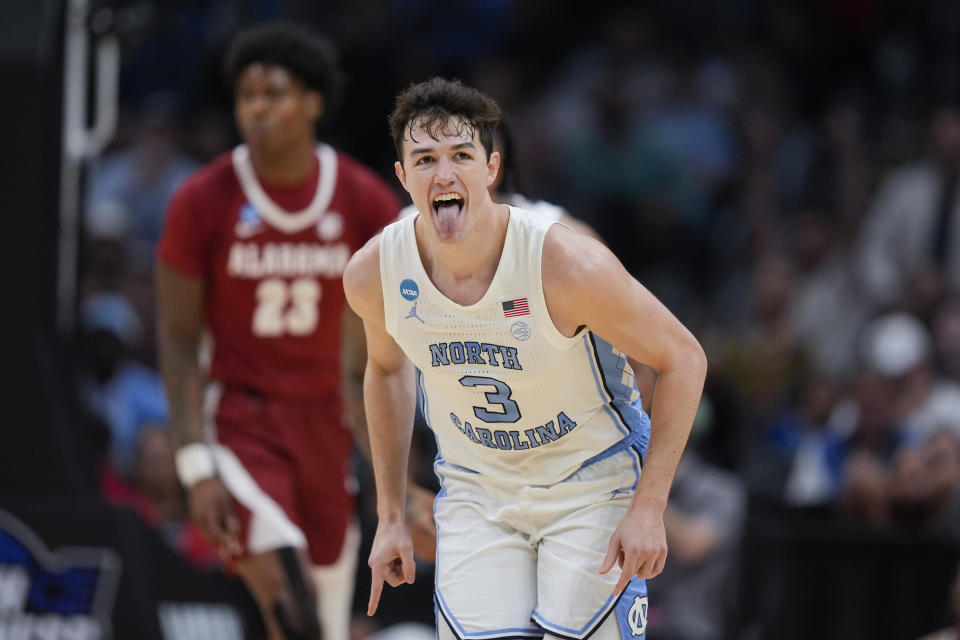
(431, 104)
(307, 55)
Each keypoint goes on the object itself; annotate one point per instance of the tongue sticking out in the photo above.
(447, 215)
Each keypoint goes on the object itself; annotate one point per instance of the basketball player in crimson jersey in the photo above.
(252, 255)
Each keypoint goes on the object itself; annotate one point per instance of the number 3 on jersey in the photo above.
(284, 308)
(499, 397)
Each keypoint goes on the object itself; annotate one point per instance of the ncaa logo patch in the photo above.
(249, 222)
(249, 214)
(409, 290)
(520, 331)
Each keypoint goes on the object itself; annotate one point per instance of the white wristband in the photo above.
(195, 463)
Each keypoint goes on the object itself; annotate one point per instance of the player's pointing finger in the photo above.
(376, 588)
(613, 550)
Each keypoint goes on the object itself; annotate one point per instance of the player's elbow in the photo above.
(689, 357)
(697, 358)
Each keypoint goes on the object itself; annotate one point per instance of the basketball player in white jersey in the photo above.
(517, 331)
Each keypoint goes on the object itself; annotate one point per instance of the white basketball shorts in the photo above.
(521, 562)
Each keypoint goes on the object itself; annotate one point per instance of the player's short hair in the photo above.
(307, 55)
(431, 104)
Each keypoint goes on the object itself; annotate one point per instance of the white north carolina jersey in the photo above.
(507, 395)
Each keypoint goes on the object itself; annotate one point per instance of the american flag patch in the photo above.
(516, 307)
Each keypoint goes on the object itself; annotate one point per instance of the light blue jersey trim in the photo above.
(584, 631)
(607, 398)
(612, 366)
(628, 417)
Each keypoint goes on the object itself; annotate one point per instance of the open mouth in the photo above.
(448, 207)
(448, 201)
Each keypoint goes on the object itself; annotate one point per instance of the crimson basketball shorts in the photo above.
(289, 472)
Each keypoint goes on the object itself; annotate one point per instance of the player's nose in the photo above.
(257, 105)
(443, 173)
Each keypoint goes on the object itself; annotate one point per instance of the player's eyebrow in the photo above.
(456, 147)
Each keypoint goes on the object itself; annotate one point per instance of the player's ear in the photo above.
(493, 167)
(401, 174)
(316, 105)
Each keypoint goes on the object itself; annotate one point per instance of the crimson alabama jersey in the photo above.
(271, 260)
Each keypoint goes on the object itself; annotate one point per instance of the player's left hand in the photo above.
(638, 545)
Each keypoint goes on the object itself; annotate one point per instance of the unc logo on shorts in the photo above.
(409, 290)
(637, 616)
(520, 331)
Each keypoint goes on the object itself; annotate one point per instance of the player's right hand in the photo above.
(419, 515)
(211, 508)
(391, 560)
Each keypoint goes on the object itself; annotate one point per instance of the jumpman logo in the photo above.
(413, 313)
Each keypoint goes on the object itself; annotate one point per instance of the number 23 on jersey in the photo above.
(286, 308)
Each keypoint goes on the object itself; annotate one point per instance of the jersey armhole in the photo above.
(390, 320)
(546, 324)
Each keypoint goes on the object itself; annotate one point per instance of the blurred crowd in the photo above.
(784, 178)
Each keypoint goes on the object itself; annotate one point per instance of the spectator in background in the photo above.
(644, 202)
(872, 440)
(901, 402)
(826, 310)
(692, 599)
(924, 485)
(910, 252)
(899, 347)
(125, 394)
(762, 360)
(799, 458)
(130, 188)
(837, 173)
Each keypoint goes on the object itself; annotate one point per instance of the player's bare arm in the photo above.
(644, 374)
(180, 318)
(585, 285)
(389, 397)
(578, 225)
(180, 326)
(354, 361)
(419, 501)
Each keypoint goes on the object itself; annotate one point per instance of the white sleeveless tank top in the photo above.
(507, 395)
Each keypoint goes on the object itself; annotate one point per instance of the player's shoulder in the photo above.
(361, 277)
(572, 259)
(216, 175)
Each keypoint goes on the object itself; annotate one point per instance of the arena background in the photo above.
(733, 153)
